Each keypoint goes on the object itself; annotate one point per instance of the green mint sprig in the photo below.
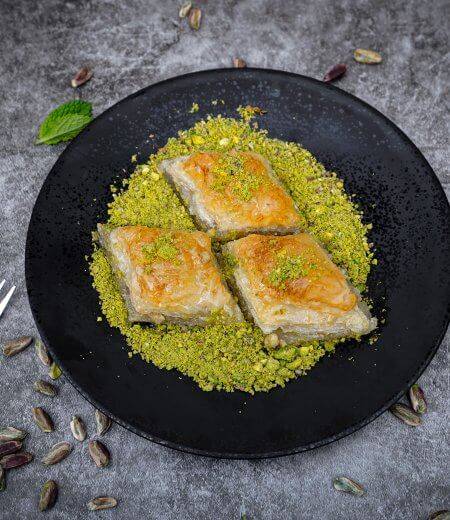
(65, 122)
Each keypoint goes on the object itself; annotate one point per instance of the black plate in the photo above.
(398, 192)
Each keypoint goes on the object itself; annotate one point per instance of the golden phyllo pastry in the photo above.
(232, 194)
(167, 276)
(290, 286)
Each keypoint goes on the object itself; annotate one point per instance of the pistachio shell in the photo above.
(238, 63)
(417, 399)
(14, 346)
(57, 453)
(42, 419)
(99, 503)
(102, 421)
(184, 9)
(10, 447)
(367, 56)
(15, 460)
(81, 77)
(195, 18)
(8, 433)
(78, 428)
(335, 72)
(348, 486)
(45, 388)
(444, 514)
(55, 371)
(2, 479)
(42, 353)
(48, 495)
(99, 453)
(405, 414)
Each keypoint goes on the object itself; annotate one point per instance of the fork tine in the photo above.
(6, 299)
(2, 283)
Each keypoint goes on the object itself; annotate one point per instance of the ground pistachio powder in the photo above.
(231, 356)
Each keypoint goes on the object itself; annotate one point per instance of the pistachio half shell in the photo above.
(195, 18)
(78, 428)
(14, 346)
(2, 479)
(10, 447)
(55, 371)
(57, 453)
(184, 9)
(367, 56)
(42, 353)
(8, 433)
(348, 486)
(81, 77)
(99, 453)
(444, 514)
(42, 419)
(405, 414)
(102, 421)
(45, 388)
(335, 72)
(48, 495)
(417, 399)
(99, 503)
(239, 63)
(15, 460)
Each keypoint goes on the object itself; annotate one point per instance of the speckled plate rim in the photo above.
(220, 455)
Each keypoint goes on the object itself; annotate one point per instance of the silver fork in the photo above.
(4, 302)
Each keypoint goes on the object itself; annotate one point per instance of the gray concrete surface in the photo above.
(130, 45)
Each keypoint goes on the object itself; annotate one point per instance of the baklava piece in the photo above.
(290, 286)
(233, 194)
(167, 276)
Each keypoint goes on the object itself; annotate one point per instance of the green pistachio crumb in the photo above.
(230, 172)
(228, 264)
(221, 355)
(162, 248)
(194, 108)
(289, 268)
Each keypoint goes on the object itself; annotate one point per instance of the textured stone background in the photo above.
(130, 45)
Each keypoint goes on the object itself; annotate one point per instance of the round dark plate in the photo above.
(398, 193)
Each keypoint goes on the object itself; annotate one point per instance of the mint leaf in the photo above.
(64, 128)
(77, 106)
(65, 122)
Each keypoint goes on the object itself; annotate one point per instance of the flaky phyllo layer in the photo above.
(168, 276)
(289, 285)
(233, 194)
